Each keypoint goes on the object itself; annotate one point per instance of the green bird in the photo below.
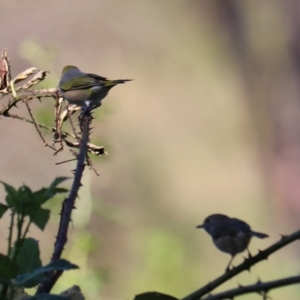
(85, 89)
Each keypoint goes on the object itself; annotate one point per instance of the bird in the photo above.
(230, 235)
(85, 89)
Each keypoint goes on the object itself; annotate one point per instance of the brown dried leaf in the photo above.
(4, 70)
(25, 74)
(40, 76)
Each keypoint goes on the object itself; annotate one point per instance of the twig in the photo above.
(94, 149)
(66, 161)
(72, 124)
(57, 135)
(28, 96)
(37, 127)
(91, 165)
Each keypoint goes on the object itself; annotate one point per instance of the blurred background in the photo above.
(210, 124)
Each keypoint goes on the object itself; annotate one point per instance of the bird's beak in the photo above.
(199, 226)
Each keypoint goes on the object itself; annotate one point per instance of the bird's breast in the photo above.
(232, 244)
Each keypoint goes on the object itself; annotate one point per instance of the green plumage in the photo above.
(85, 89)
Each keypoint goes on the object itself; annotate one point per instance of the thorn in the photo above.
(258, 281)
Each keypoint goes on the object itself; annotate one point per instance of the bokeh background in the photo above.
(211, 123)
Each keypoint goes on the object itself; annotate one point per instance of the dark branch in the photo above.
(246, 265)
(262, 287)
(67, 207)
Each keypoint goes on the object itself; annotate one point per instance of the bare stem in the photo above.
(68, 206)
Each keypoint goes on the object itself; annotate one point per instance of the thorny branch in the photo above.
(259, 287)
(24, 94)
(68, 205)
(246, 265)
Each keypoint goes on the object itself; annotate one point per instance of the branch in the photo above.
(246, 265)
(263, 287)
(92, 148)
(26, 97)
(68, 206)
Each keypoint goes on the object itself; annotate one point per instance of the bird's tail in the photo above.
(259, 234)
(115, 82)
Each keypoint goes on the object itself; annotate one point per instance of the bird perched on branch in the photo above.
(229, 235)
(85, 89)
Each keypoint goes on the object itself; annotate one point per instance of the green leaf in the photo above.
(47, 297)
(41, 217)
(12, 194)
(60, 190)
(55, 183)
(8, 269)
(17, 198)
(44, 194)
(25, 195)
(154, 296)
(3, 209)
(28, 258)
(38, 275)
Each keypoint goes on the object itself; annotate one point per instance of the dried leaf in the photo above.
(4, 70)
(25, 74)
(40, 76)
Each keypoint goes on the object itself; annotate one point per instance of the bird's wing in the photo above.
(229, 228)
(98, 77)
(239, 225)
(89, 82)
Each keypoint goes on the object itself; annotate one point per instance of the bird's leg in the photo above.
(228, 266)
(88, 108)
(249, 253)
(93, 106)
(84, 110)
